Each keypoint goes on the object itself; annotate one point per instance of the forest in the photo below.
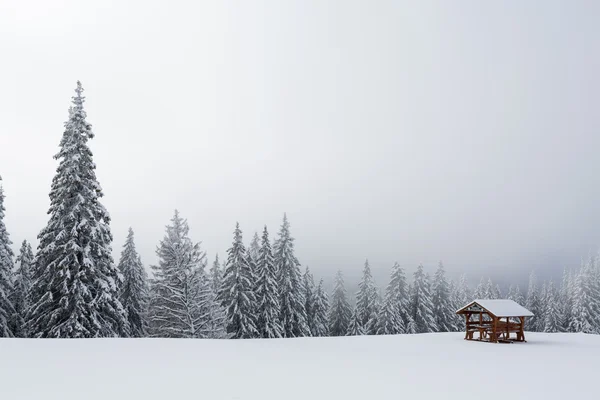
(71, 287)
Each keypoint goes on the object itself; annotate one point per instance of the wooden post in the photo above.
(522, 328)
(507, 328)
(480, 323)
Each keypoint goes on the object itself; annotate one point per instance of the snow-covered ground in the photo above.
(431, 366)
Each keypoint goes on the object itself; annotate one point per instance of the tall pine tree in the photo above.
(75, 289)
(6, 267)
(21, 289)
(216, 275)
(389, 320)
(533, 304)
(308, 286)
(237, 291)
(443, 310)
(586, 307)
(182, 304)
(339, 310)
(321, 309)
(355, 327)
(291, 296)
(421, 303)
(367, 302)
(552, 313)
(267, 293)
(398, 288)
(134, 289)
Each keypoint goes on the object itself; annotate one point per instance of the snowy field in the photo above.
(430, 366)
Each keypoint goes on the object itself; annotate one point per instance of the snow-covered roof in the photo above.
(501, 308)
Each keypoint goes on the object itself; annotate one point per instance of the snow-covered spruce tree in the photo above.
(496, 292)
(480, 291)
(308, 286)
(237, 291)
(443, 309)
(321, 309)
(552, 313)
(367, 302)
(566, 301)
(339, 311)
(6, 268)
(75, 288)
(489, 290)
(355, 327)
(21, 289)
(542, 315)
(216, 275)
(254, 248)
(399, 291)
(134, 288)
(182, 304)
(267, 293)
(253, 252)
(463, 296)
(291, 296)
(455, 304)
(421, 303)
(518, 296)
(533, 304)
(586, 307)
(389, 320)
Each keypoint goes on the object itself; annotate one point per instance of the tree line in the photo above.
(71, 287)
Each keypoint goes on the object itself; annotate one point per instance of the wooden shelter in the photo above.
(495, 320)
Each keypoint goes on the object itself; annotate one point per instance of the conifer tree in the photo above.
(422, 306)
(254, 248)
(216, 275)
(389, 320)
(321, 309)
(489, 289)
(463, 296)
(514, 294)
(543, 308)
(367, 302)
(496, 292)
(20, 297)
(253, 252)
(308, 286)
(339, 311)
(267, 293)
(443, 310)
(398, 293)
(237, 291)
(291, 296)
(182, 304)
(134, 289)
(586, 312)
(533, 304)
(566, 301)
(355, 327)
(552, 314)
(75, 288)
(6, 266)
(480, 291)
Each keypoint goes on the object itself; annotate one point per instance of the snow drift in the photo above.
(427, 366)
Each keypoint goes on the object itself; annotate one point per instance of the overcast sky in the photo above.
(410, 131)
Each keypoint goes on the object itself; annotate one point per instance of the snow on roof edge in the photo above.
(501, 307)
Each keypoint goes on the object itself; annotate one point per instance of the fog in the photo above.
(395, 131)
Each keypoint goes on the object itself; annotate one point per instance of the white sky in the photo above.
(409, 131)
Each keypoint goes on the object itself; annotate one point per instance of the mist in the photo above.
(390, 131)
